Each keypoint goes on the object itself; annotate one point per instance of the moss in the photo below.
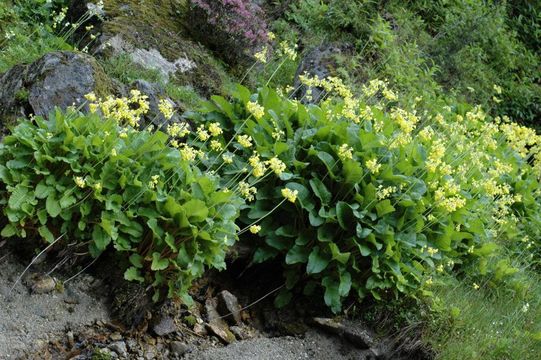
(159, 25)
(102, 84)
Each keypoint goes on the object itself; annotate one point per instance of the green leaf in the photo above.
(297, 254)
(332, 294)
(42, 190)
(158, 263)
(100, 237)
(320, 190)
(384, 207)
(317, 262)
(345, 283)
(337, 255)
(196, 210)
(136, 260)
(52, 206)
(133, 274)
(67, 201)
(344, 214)
(18, 197)
(283, 298)
(8, 231)
(46, 234)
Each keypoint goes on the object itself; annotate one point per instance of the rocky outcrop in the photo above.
(58, 79)
(152, 34)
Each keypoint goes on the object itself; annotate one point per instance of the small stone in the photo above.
(179, 348)
(216, 324)
(70, 337)
(199, 329)
(120, 348)
(243, 332)
(165, 326)
(41, 284)
(116, 336)
(228, 305)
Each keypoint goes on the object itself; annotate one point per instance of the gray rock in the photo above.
(120, 348)
(58, 79)
(41, 284)
(216, 324)
(320, 62)
(179, 348)
(228, 305)
(166, 325)
(353, 332)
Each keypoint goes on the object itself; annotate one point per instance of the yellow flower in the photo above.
(476, 286)
(261, 56)
(215, 129)
(254, 229)
(258, 166)
(113, 153)
(373, 166)
(247, 191)
(216, 145)
(97, 186)
(498, 89)
(245, 141)
(432, 251)
(80, 182)
(202, 133)
(178, 129)
(227, 158)
(276, 165)
(166, 108)
(345, 152)
(290, 195)
(91, 97)
(271, 36)
(255, 109)
(188, 153)
(429, 281)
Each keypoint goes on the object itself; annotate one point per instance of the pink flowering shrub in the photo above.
(235, 29)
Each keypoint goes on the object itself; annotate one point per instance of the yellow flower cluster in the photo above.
(345, 152)
(215, 129)
(245, 141)
(166, 108)
(290, 195)
(254, 229)
(80, 182)
(215, 145)
(276, 165)
(153, 181)
(202, 134)
(255, 109)
(246, 191)
(227, 158)
(126, 111)
(373, 166)
(435, 157)
(178, 130)
(385, 192)
(258, 166)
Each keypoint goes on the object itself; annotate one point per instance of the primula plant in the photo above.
(90, 181)
(384, 197)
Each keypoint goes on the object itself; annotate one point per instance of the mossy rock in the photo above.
(153, 34)
(58, 79)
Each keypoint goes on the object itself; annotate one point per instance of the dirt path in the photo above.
(28, 320)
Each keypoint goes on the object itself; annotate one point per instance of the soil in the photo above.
(30, 320)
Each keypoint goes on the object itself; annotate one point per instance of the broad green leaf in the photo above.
(52, 206)
(8, 231)
(317, 262)
(320, 190)
(384, 207)
(196, 210)
(133, 274)
(158, 263)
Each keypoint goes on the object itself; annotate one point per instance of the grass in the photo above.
(485, 323)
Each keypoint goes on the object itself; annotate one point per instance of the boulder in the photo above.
(153, 35)
(58, 79)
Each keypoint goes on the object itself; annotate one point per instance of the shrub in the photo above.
(236, 29)
(386, 196)
(87, 181)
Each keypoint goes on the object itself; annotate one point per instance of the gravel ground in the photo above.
(29, 320)
(313, 346)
